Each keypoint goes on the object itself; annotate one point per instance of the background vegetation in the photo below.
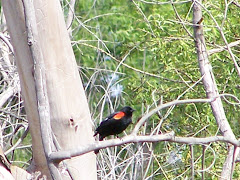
(142, 54)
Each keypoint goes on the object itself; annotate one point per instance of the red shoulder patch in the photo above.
(119, 115)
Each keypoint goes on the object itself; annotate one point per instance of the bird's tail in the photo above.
(100, 139)
(95, 133)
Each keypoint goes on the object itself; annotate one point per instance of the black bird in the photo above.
(115, 123)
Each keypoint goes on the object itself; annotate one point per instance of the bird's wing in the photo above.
(119, 115)
(110, 120)
(116, 116)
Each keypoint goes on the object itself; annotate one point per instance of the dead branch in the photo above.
(61, 155)
(210, 84)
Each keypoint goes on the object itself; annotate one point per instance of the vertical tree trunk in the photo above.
(210, 85)
(69, 112)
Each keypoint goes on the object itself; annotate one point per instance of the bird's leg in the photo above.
(119, 137)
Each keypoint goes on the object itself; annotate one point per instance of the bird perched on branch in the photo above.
(115, 123)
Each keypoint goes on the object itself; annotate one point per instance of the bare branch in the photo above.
(180, 19)
(163, 106)
(192, 161)
(222, 35)
(40, 81)
(18, 142)
(236, 4)
(61, 155)
(203, 161)
(10, 91)
(144, 17)
(3, 37)
(132, 68)
(209, 79)
(223, 48)
(70, 16)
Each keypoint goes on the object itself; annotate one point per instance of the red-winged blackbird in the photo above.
(115, 123)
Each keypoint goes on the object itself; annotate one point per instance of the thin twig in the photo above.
(18, 142)
(203, 161)
(163, 106)
(132, 68)
(192, 161)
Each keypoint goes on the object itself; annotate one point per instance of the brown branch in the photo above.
(236, 4)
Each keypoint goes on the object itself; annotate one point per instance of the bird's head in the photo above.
(128, 110)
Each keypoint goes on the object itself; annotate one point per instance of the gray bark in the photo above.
(51, 87)
(210, 86)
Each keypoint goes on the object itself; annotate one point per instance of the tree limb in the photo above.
(210, 84)
(163, 106)
(40, 83)
(223, 48)
(61, 155)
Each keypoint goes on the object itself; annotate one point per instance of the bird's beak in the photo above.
(133, 110)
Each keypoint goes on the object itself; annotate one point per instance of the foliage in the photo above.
(158, 65)
(142, 53)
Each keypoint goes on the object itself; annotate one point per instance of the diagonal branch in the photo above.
(166, 105)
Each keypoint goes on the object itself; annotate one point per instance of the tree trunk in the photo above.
(211, 87)
(68, 109)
